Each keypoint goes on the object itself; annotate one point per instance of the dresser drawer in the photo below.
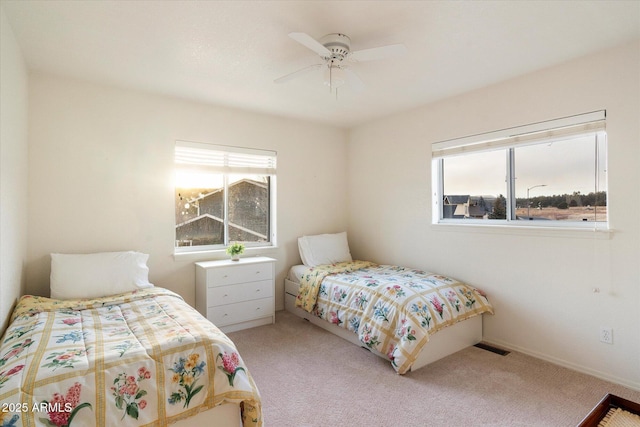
(236, 295)
(221, 295)
(239, 274)
(240, 312)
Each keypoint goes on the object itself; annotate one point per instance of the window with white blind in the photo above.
(223, 195)
(546, 174)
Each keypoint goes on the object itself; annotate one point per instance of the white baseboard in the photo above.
(594, 373)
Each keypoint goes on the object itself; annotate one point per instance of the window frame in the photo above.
(229, 165)
(593, 123)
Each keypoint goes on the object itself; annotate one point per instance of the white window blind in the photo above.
(566, 127)
(224, 159)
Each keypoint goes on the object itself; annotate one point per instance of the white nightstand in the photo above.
(236, 295)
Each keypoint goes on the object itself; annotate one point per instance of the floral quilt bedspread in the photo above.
(392, 309)
(144, 358)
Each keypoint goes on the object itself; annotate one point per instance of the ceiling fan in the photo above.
(336, 54)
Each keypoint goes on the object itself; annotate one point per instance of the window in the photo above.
(223, 195)
(545, 174)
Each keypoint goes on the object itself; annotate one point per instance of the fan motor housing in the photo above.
(338, 44)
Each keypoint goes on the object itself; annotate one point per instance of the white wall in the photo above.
(541, 285)
(13, 171)
(101, 162)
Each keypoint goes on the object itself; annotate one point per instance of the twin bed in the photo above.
(391, 310)
(110, 349)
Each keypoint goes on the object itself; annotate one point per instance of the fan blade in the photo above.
(298, 73)
(353, 81)
(376, 53)
(311, 43)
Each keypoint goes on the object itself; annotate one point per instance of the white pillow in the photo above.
(97, 275)
(324, 249)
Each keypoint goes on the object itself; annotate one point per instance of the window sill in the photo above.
(523, 230)
(210, 255)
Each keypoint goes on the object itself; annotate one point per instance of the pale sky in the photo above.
(563, 167)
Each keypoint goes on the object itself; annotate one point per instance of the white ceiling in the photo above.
(229, 52)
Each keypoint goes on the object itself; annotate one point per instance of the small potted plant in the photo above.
(235, 250)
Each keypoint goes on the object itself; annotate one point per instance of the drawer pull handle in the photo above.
(225, 295)
(257, 308)
(225, 315)
(257, 290)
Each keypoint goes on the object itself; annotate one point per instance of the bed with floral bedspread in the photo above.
(140, 358)
(392, 309)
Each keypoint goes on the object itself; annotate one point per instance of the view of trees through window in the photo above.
(564, 207)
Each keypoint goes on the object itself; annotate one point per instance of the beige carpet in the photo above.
(309, 377)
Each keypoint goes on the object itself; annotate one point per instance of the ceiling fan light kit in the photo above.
(335, 51)
(334, 77)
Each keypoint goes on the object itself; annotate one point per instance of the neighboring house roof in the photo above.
(461, 210)
(478, 211)
(198, 219)
(209, 214)
(208, 217)
(456, 199)
(211, 193)
(469, 206)
(487, 199)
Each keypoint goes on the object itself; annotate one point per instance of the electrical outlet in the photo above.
(606, 335)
